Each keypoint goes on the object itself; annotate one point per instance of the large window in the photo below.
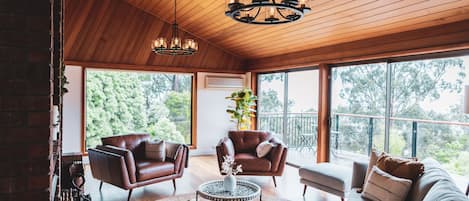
(358, 106)
(119, 102)
(287, 107)
(407, 108)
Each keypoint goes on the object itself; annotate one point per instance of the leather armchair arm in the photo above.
(359, 172)
(179, 156)
(224, 147)
(278, 155)
(128, 158)
(109, 167)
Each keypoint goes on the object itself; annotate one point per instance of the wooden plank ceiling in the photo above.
(330, 22)
(111, 33)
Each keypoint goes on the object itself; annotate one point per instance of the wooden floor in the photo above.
(202, 169)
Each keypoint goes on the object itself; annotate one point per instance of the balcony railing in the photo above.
(300, 127)
(358, 134)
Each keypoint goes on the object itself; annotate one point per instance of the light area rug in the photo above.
(191, 197)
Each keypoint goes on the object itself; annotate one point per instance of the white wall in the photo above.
(213, 123)
(72, 110)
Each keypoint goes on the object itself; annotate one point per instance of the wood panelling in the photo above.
(330, 22)
(447, 37)
(111, 32)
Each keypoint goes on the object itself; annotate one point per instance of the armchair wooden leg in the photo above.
(174, 184)
(275, 182)
(342, 199)
(304, 190)
(130, 194)
(100, 185)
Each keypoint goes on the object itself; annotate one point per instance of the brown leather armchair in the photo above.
(241, 145)
(121, 161)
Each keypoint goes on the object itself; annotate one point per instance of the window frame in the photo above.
(193, 144)
(388, 63)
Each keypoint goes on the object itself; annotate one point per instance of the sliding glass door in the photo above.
(287, 107)
(407, 108)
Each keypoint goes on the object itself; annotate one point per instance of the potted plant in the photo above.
(243, 110)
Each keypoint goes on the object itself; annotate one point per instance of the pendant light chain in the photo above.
(175, 25)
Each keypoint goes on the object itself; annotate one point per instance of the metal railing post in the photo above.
(336, 132)
(414, 139)
(370, 135)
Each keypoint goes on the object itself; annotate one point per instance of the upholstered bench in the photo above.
(328, 177)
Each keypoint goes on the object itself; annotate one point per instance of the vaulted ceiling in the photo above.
(119, 33)
(330, 22)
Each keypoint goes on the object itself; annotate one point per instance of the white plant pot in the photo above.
(229, 183)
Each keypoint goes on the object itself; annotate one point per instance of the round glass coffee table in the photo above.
(213, 190)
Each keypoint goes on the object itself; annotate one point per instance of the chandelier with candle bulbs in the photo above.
(266, 12)
(176, 45)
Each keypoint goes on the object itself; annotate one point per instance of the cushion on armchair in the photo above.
(251, 162)
(263, 149)
(247, 141)
(149, 169)
(155, 150)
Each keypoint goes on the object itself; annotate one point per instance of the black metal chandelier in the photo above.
(266, 12)
(160, 46)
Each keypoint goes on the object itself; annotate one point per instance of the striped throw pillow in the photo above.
(382, 186)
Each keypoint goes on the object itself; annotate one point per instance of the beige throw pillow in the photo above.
(155, 150)
(373, 159)
(382, 186)
(263, 148)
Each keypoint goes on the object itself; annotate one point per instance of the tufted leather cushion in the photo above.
(247, 141)
(251, 163)
(132, 142)
(149, 169)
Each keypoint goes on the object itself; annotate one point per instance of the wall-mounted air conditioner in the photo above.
(224, 82)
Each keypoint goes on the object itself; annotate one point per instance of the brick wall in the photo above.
(25, 99)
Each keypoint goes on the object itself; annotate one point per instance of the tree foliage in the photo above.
(126, 102)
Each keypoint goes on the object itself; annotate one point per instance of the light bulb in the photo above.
(175, 43)
(159, 43)
(302, 3)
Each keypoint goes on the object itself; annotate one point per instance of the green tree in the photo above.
(114, 104)
(179, 105)
(164, 129)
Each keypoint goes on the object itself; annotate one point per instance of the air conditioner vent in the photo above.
(224, 82)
